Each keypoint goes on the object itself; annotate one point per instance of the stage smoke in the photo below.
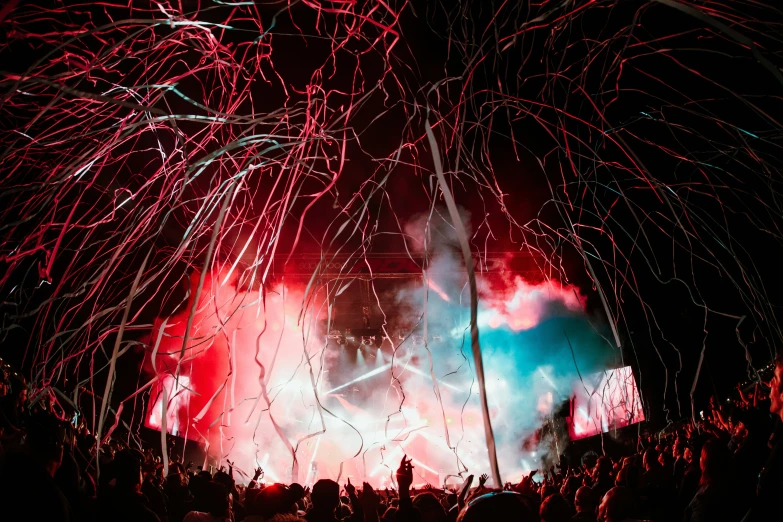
(245, 387)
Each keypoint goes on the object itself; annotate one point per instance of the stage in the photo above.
(380, 366)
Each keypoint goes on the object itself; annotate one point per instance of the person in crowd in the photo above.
(27, 486)
(667, 464)
(429, 507)
(627, 477)
(769, 492)
(690, 479)
(273, 500)
(654, 475)
(325, 498)
(602, 476)
(715, 500)
(123, 501)
(678, 464)
(152, 488)
(226, 478)
(618, 505)
(178, 495)
(585, 504)
(218, 503)
(547, 490)
(390, 515)
(555, 509)
(405, 510)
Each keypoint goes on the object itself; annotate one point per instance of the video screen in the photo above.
(604, 401)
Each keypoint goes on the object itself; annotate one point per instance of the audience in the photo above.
(728, 466)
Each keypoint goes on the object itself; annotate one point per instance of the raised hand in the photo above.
(526, 485)
(370, 502)
(483, 480)
(427, 487)
(349, 488)
(258, 474)
(405, 474)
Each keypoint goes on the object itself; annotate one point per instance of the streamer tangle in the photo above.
(196, 197)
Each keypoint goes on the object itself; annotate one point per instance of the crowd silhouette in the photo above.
(726, 466)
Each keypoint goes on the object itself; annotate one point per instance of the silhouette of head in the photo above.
(555, 509)
(45, 438)
(126, 469)
(618, 504)
(429, 507)
(325, 495)
(216, 499)
(500, 506)
(584, 500)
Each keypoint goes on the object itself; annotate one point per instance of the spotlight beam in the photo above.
(371, 373)
(447, 385)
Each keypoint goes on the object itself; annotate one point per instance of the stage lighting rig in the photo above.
(336, 336)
